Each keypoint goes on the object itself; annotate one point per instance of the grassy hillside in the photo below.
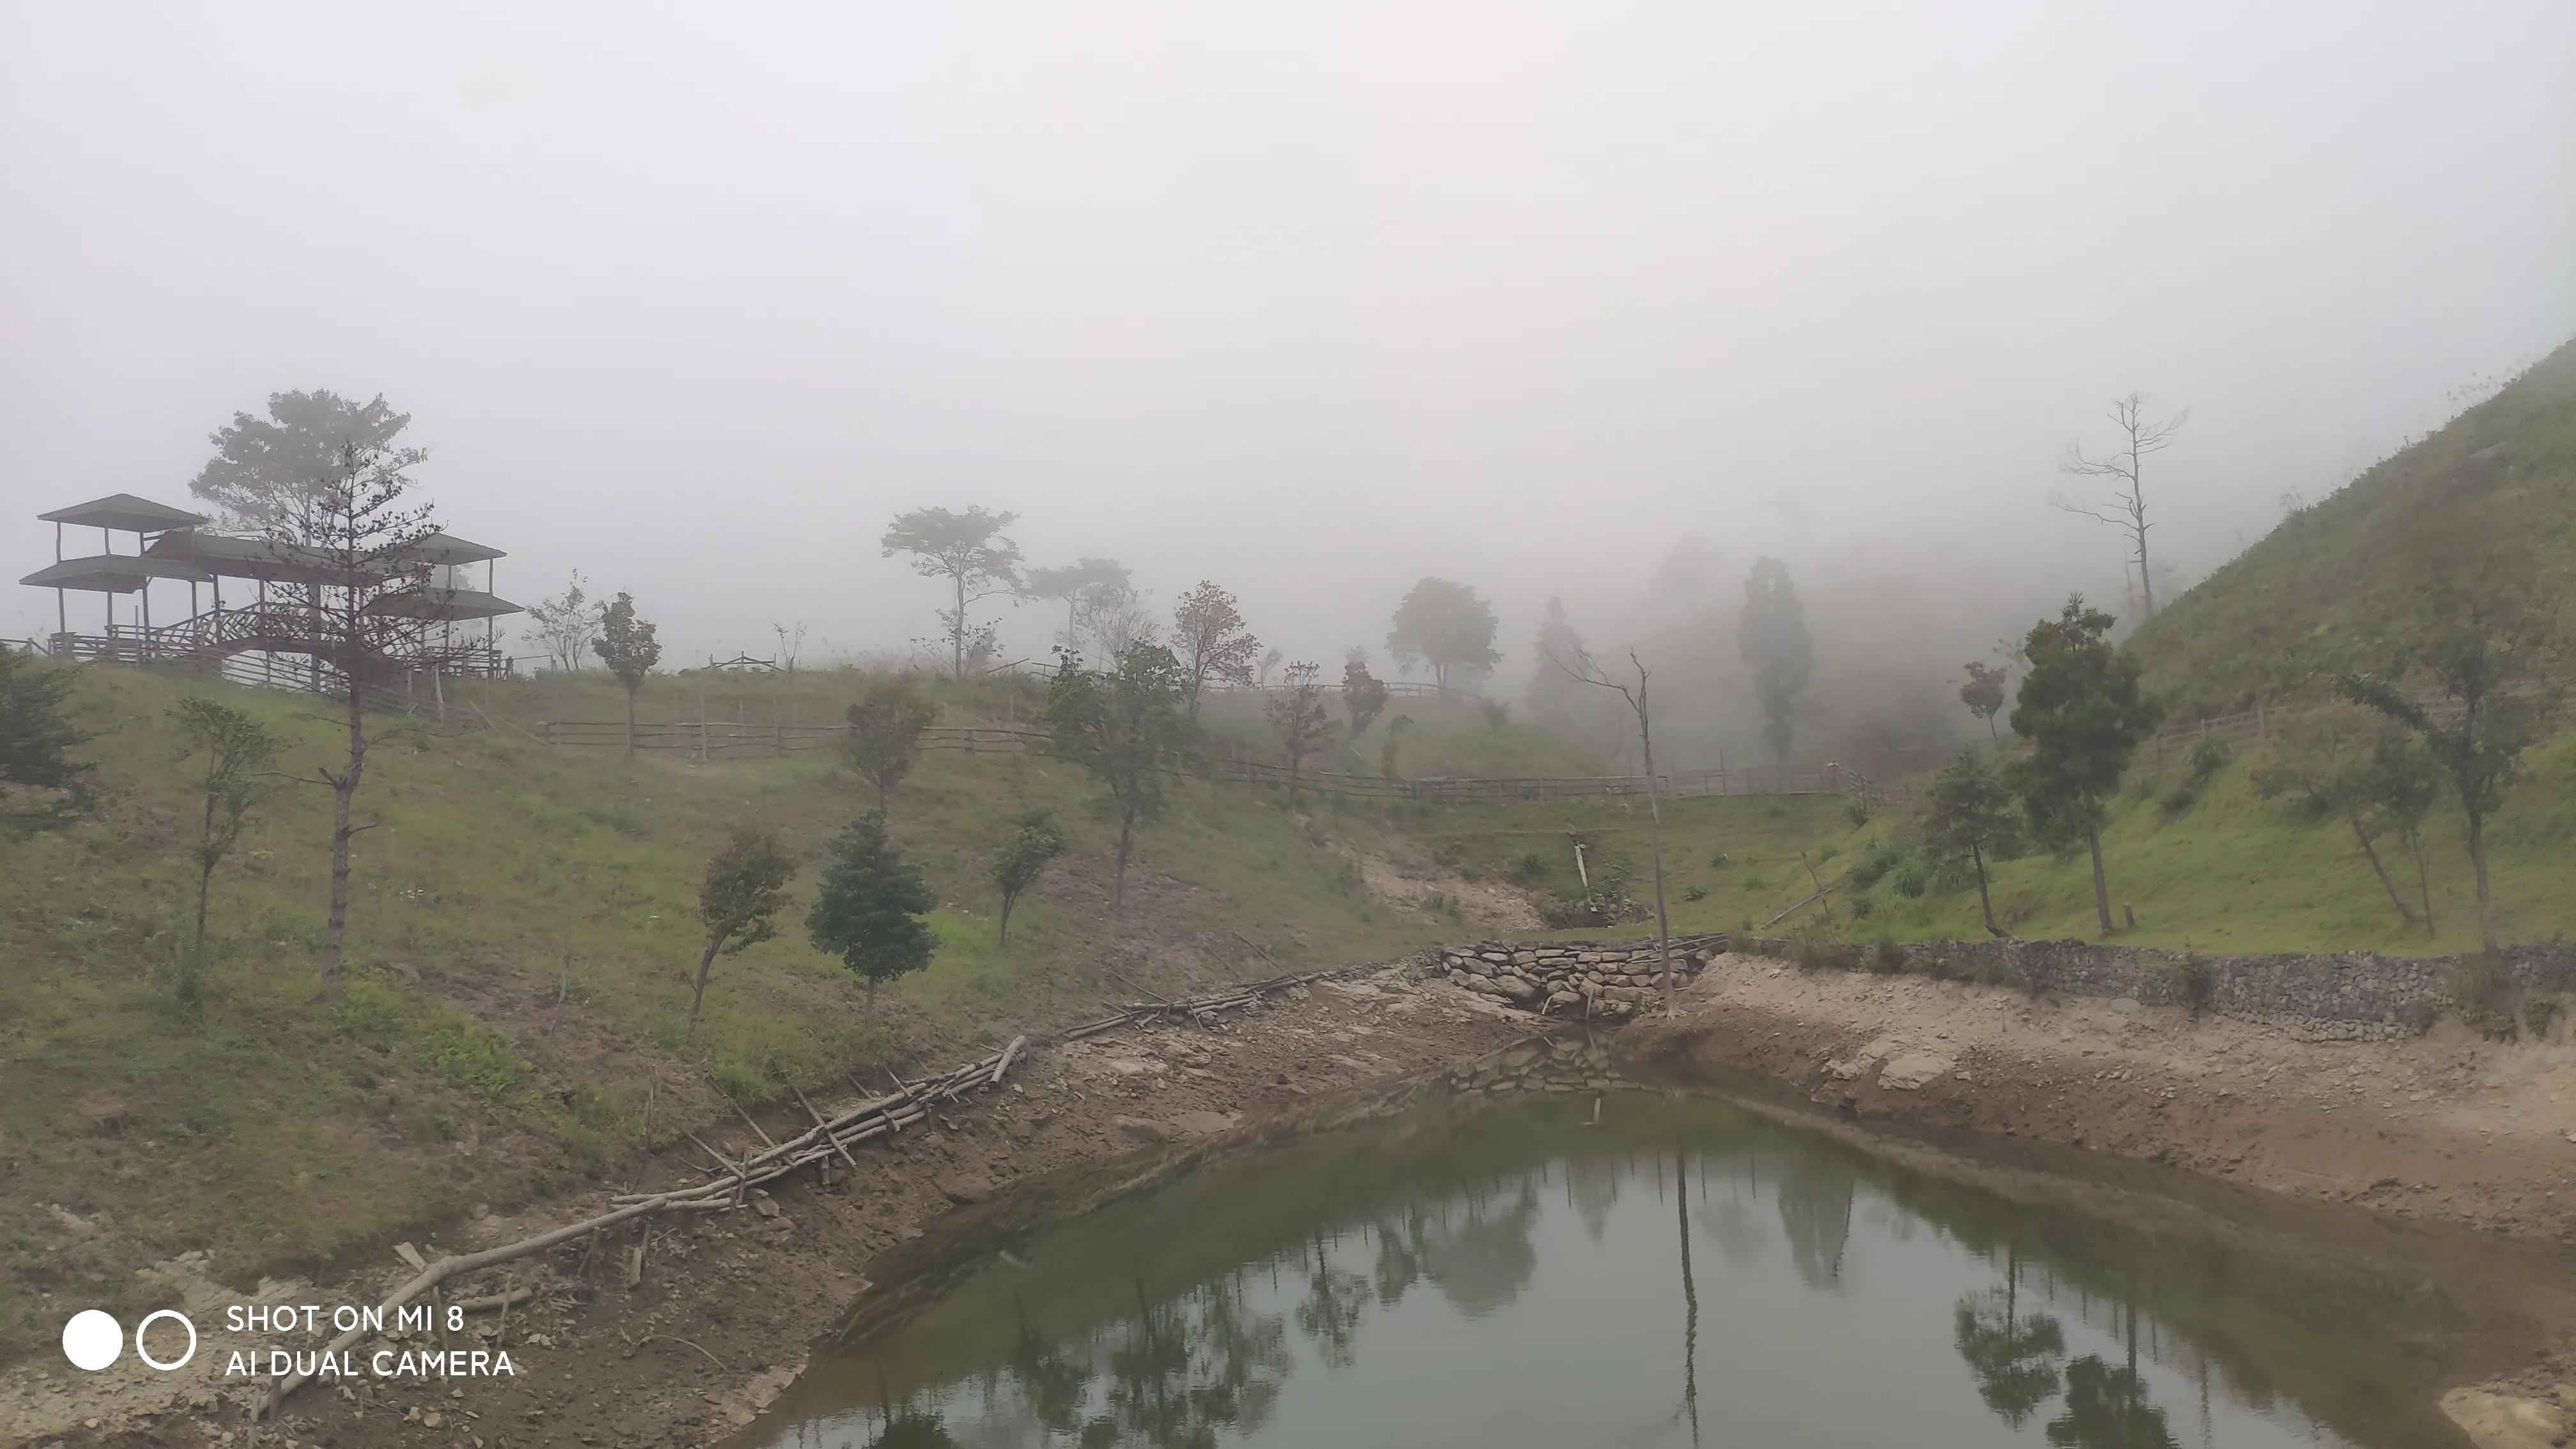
(2232, 873)
(522, 934)
(2306, 592)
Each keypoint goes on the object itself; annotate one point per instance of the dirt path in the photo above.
(721, 1316)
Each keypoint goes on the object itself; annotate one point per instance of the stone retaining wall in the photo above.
(2353, 995)
(1585, 979)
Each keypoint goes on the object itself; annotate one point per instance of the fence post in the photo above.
(702, 735)
(550, 733)
(777, 740)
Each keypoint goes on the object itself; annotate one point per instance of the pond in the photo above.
(1558, 1261)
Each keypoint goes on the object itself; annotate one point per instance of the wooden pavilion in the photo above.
(172, 545)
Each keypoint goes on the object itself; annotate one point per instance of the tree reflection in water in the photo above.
(2015, 1362)
(1104, 1352)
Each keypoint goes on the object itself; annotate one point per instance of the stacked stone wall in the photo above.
(1589, 980)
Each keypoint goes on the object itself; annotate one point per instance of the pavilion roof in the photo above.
(447, 549)
(125, 513)
(113, 573)
(235, 557)
(437, 603)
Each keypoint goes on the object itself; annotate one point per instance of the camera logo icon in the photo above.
(93, 1339)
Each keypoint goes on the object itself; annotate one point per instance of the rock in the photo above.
(1909, 1070)
(2504, 1421)
(1516, 988)
(764, 1207)
(963, 1187)
(1142, 1129)
(1858, 1063)
(1202, 1124)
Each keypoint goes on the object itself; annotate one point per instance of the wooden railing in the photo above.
(710, 740)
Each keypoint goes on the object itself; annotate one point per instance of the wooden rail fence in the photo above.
(711, 740)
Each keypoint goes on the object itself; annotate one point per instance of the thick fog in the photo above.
(1311, 300)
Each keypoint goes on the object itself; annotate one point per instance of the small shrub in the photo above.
(1857, 812)
(2486, 1021)
(1717, 861)
(1530, 868)
(1876, 861)
(1695, 893)
(1861, 906)
(2181, 798)
(1755, 881)
(2207, 756)
(1450, 853)
(1910, 881)
(1827, 851)
(2537, 1014)
(1887, 958)
(2142, 785)
(2192, 980)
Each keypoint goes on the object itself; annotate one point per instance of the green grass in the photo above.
(2306, 590)
(2236, 873)
(522, 937)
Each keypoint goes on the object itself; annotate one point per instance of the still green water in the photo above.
(1561, 1268)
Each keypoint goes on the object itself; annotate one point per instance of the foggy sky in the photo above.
(1308, 299)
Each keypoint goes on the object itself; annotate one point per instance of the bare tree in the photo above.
(1112, 618)
(359, 591)
(1583, 669)
(2140, 435)
(565, 624)
(791, 641)
(1070, 583)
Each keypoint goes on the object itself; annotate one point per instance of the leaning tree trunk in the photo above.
(2423, 878)
(706, 963)
(1655, 845)
(630, 720)
(1118, 876)
(2371, 853)
(1985, 902)
(2101, 887)
(2478, 860)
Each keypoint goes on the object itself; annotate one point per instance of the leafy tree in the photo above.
(1771, 637)
(969, 551)
(363, 539)
(1022, 859)
(1984, 694)
(1446, 626)
(565, 624)
(1211, 641)
(2365, 770)
(36, 742)
(1070, 583)
(1386, 749)
(1364, 695)
(1298, 715)
(237, 750)
(885, 732)
(627, 645)
(869, 906)
(1124, 728)
(2084, 713)
(263, 468)
(2477, 625)
(1971, 813)
(1110, 617)
(738, 901)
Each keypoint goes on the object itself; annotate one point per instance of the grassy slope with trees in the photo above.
(2300, 599)
(523, 938)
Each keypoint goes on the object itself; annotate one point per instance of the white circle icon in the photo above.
(176, 1317)
(92, 1340)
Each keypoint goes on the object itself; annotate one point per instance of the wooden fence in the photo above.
(710, 740)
